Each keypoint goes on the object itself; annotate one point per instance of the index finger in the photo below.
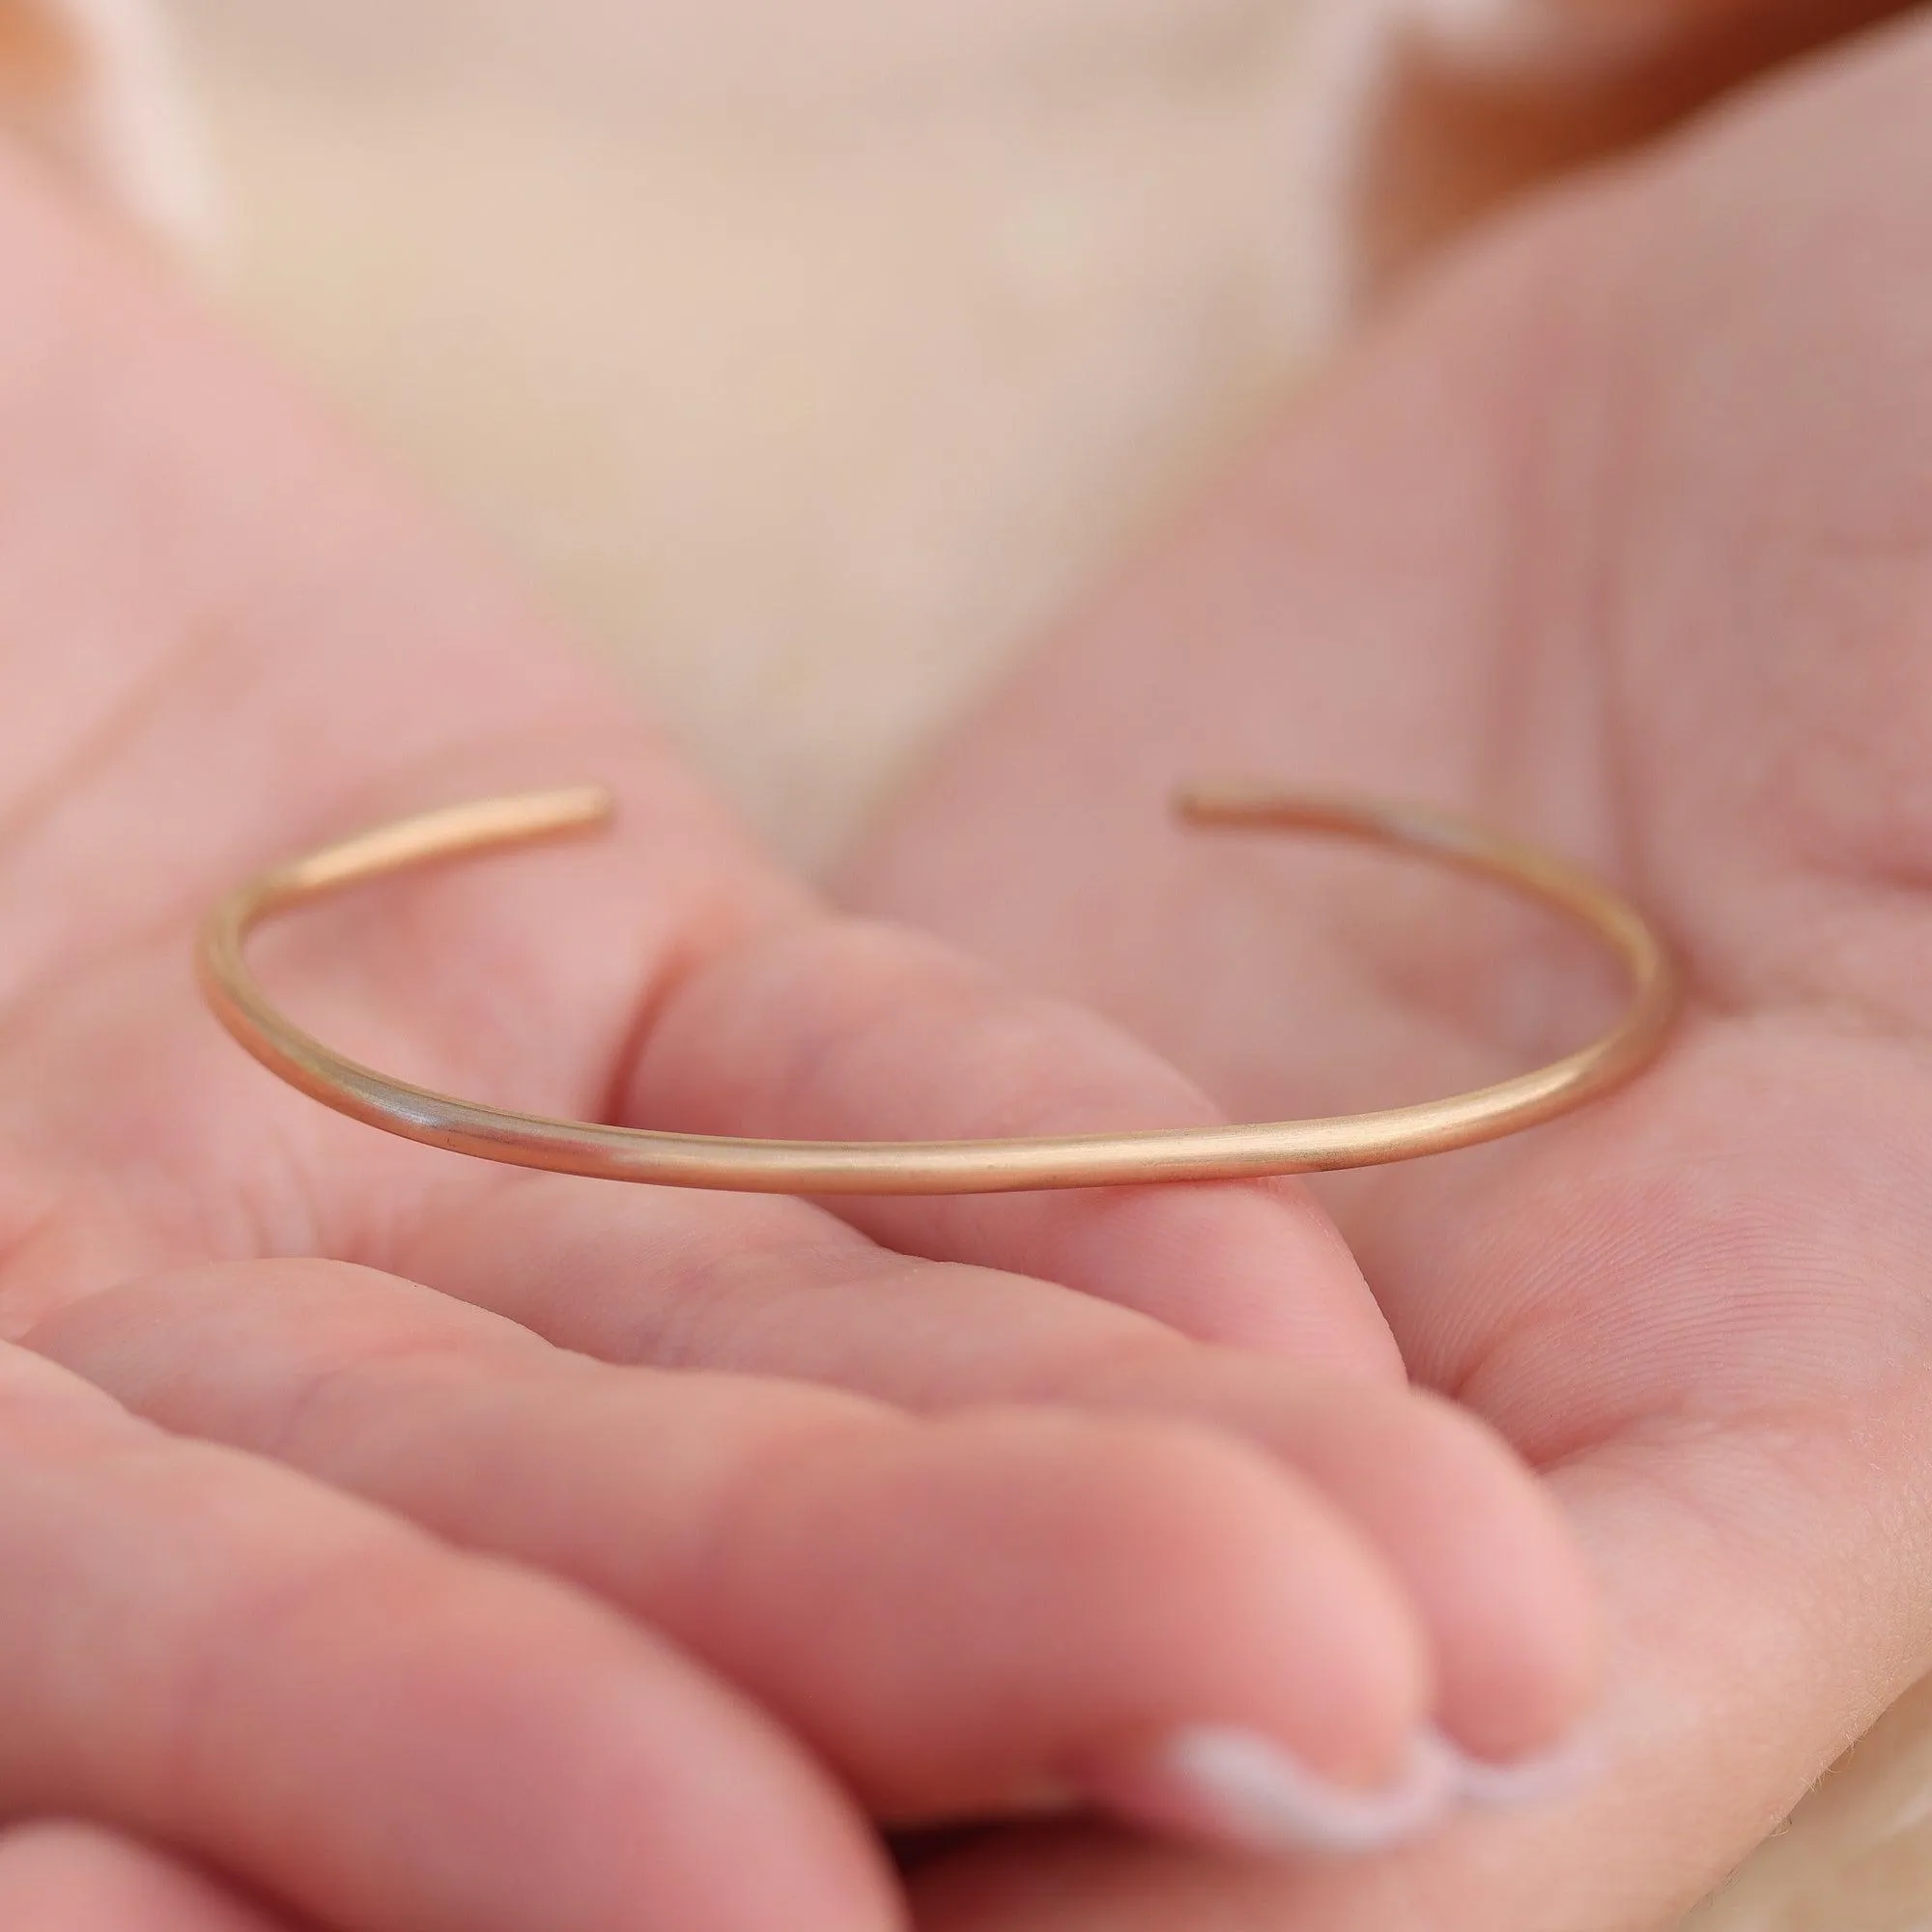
(833, 1028)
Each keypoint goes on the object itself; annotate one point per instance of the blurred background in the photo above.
(811, 358)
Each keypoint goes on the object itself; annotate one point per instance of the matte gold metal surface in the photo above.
(943, 1167)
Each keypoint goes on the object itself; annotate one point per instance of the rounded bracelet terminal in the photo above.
(943, 1167)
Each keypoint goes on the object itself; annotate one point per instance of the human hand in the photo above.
(1455, 110)
(1619, 536)
(268, 1634)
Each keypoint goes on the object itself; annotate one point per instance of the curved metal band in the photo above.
(941, 1167)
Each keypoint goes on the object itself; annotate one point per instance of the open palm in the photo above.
(418, 1544)
(1622, 536)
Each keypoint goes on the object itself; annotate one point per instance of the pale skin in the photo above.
(1620, 534)
(814, 1524)
(1616, 537)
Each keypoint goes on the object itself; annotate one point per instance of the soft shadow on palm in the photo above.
(886, 1560)
(1619, 538)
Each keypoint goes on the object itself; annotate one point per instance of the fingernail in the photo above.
(1241, 1790)
(1542, 1779)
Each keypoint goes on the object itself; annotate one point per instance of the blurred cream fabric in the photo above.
(812, 352)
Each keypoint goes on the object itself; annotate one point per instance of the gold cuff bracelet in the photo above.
(941, 1167)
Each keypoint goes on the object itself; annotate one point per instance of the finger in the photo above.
(63, 1877)
(837, 1028)
(1736, 1644)
(1487, 1557)
(216, 1654)
(958, 1614)
(359, 663)
(751, 1285)
(1491, 1567)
